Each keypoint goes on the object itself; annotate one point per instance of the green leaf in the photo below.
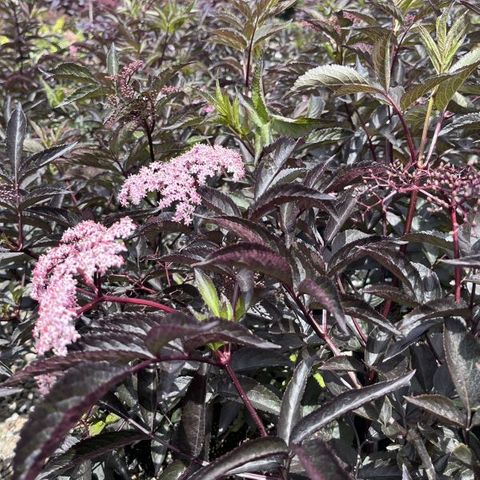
(418, 91)
(294, 127)
(208, 292)
(252, 450)
(337, 77)
(83, 93)
(112, 61)
(381, 59)
(459, 73)
(320, 461)
(16, 132)
(440, 406)
(344, 403)
(462, 352)
(436, 56)
(73, 71)
(258, 97)
(290, 411)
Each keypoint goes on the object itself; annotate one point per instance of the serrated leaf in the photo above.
(218, 202)
(440, 406)
(73, 71)
(323, 290)
(261, 396)
(192, 429)
(256, 257)
(293, 192)
(470, 120)
(290, 411)
(342, 79)
(112, 61)
(459, 73)
(90, 449)
(16, 132)
(320, 461)
(294, 127)
(252, 450)
(344, 403)
(208, 292)
(243, 228)
(462, 352)
(80, 388)
(381, 59)
(274, 159)
(418, 91)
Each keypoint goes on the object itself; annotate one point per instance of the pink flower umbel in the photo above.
(84, 250)
(179, 179)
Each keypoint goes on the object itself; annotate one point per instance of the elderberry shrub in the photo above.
(240, 239)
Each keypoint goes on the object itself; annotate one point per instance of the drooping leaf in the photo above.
(112, 61)
(290, 412)
(344, 403)
(208, 292)
(256, 257)
(90, 449)
(320, 461)
(381, 59)
(147, 391)
(342, 79)
(273, 161)
(243, 228)
(293, 192)
(191, 434)
(441, 407)
(323, 290)
(80, 388)
(16, 131)
(73, 71)
(262, 397)
(252, 450)
(462, 351)
(219, 202)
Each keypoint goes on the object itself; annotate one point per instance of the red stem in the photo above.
(133, 301)
(456, 252)
(224, 359)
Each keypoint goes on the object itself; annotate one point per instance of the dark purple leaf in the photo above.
(252, 450)
(294, 192)
(320, 461)
(256, 257)
(344, 403)
(323, 290)
(79, 389)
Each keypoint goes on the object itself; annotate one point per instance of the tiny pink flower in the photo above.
(179, 179)
(84, 250)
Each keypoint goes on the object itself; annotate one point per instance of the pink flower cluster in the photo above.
(84, 250)
(179, 179)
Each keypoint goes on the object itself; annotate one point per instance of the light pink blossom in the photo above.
(178, 180)
(84, 250)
